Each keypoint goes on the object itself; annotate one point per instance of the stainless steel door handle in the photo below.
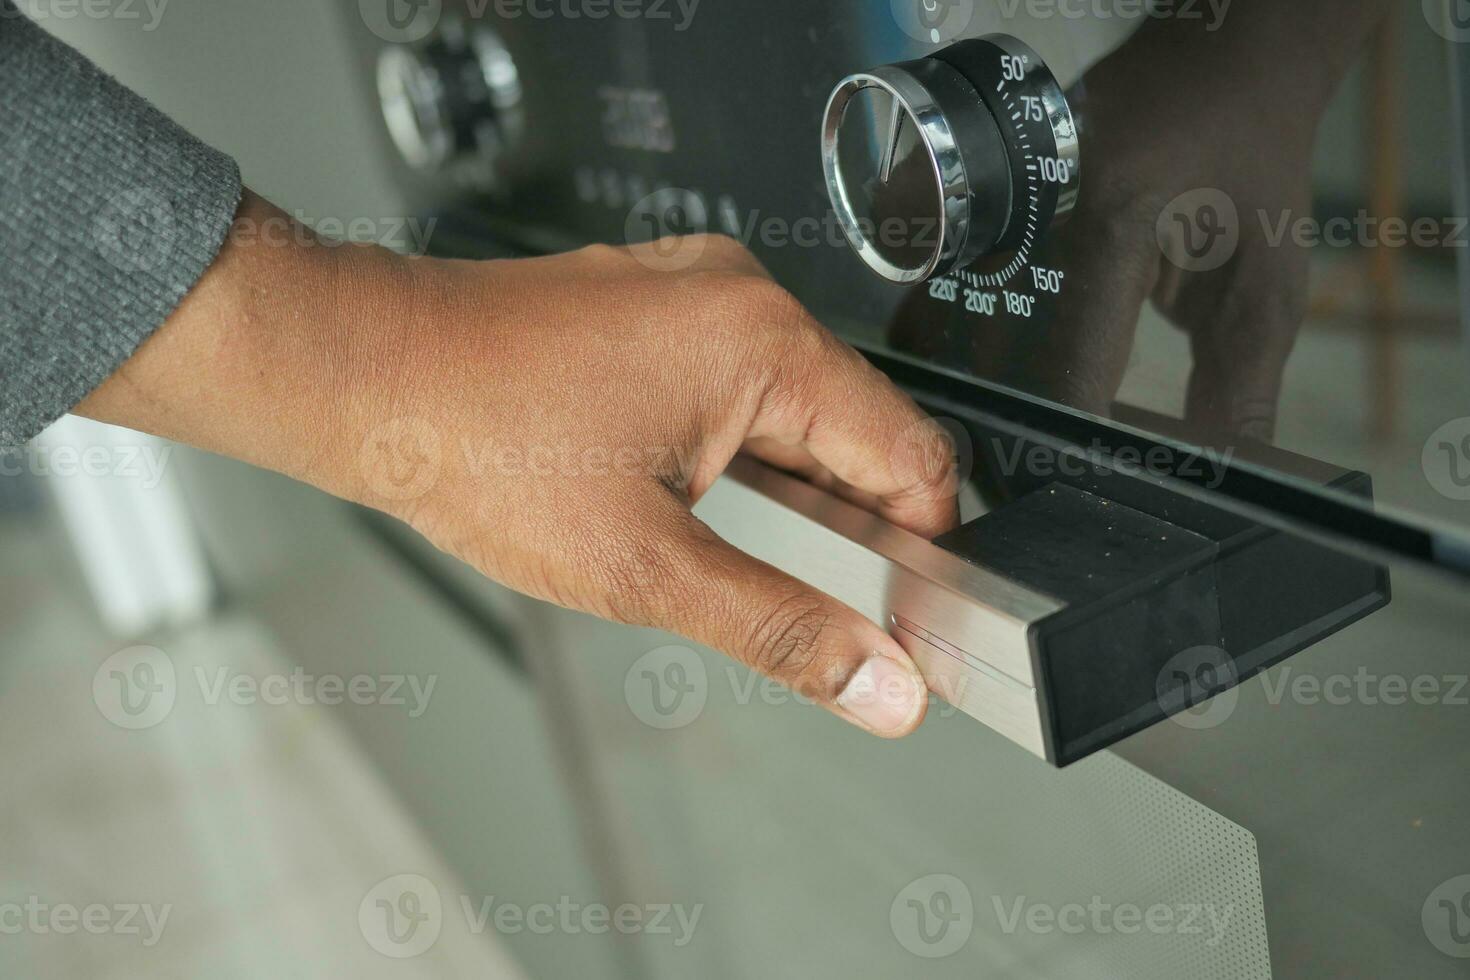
(967, 628)
(1063, 620)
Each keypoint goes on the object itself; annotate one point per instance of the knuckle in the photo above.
(601, 253)
(754, 312)
(928, 462)
(777, 323)
(759, 301)
(722, 246)
(813, 343)
(788, 642)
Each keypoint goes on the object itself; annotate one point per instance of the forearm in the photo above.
(268, 357)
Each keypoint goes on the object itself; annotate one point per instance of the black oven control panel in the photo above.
(943, 171)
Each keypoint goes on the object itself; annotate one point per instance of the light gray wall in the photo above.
(276, 83)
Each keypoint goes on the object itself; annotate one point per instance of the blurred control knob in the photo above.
(452, 102)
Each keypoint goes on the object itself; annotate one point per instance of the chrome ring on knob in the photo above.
(911, 99)
(452, 99)
(413, 109)
(984, 127)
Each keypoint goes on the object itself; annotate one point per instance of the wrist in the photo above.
(267, 358)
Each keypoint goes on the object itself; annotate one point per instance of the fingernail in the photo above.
(883, 695)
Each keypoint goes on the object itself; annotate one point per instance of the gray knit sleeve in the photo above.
(109, 213)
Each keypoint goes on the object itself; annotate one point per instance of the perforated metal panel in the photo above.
(1117, 875)
(1182, 854)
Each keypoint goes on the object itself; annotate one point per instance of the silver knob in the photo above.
(932, 164)
(452, 103)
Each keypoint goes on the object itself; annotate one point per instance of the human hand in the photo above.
(551, 421)
(1188, 173)
(1197, 149)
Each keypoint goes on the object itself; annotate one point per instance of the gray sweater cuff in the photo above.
(109, 213)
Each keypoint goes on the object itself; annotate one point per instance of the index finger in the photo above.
(828, 400)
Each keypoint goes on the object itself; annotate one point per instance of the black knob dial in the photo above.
(932, 164)
(451, 102)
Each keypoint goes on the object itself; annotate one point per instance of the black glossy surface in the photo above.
(640, 127)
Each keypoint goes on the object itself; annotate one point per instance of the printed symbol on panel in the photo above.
(933, 21)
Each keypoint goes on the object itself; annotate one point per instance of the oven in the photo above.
(1184, 284)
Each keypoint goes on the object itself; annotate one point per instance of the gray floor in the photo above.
(252, 833)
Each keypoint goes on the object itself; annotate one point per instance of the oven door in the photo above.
(1197, 651)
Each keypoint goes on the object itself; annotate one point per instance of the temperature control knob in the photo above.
(933, 164)
(452, 102)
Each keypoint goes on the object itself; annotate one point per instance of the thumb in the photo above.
(825, 651)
